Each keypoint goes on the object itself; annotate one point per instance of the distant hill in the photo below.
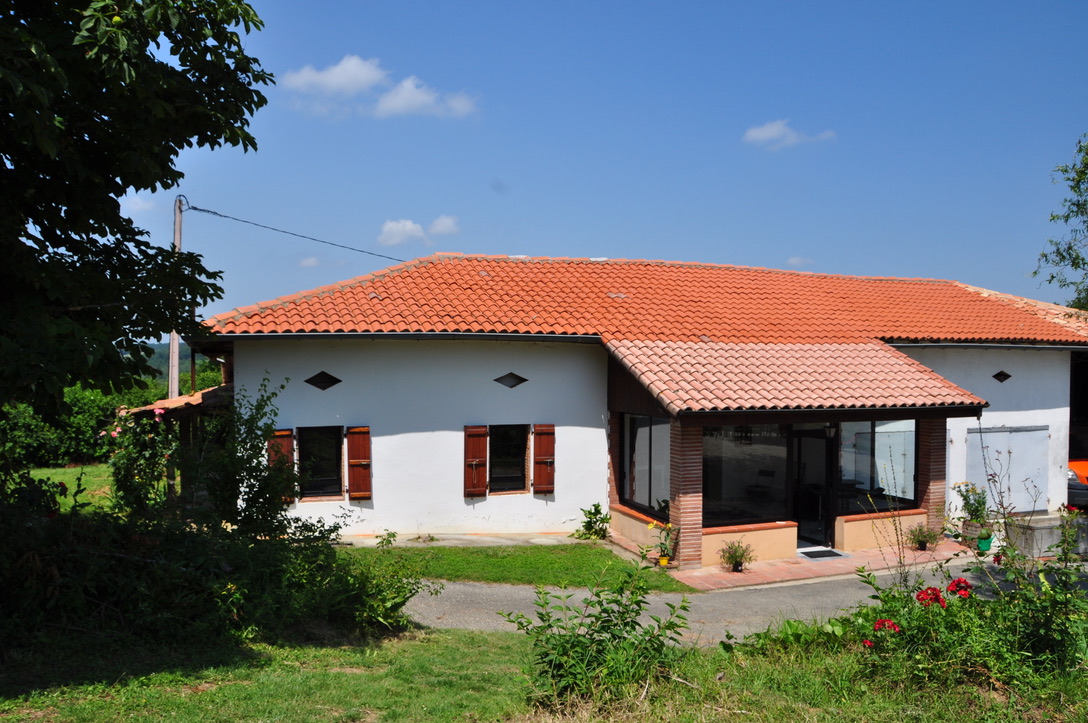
(161, 359)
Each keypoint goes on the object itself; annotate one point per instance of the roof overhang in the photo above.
(849, 380)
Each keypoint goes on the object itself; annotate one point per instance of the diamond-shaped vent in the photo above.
(323, 380)
(1002, 376)
(511, 380)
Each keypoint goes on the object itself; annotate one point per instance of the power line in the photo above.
(190, 207)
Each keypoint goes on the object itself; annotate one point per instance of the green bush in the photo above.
(1026, 619)
(223, 558)
(601, 650)
(595, 524)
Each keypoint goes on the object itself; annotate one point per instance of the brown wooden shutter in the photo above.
(475, 461)
(358, 463)
(281, 449)
(282, 446)
(543, 458)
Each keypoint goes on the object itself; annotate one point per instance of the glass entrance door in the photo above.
(815, 475)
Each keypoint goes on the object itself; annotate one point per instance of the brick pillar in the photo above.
(932, 442)
(686, 493)
(615, 449)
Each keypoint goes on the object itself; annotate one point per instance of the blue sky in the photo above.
(892, 139)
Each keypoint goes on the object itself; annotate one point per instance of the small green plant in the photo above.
(386, 540)
(666, 537)
(736, 554)
(601, 650)
(973, 501)
(594, 525)
(921, 536)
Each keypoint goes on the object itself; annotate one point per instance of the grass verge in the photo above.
(575, 565)
(449, 675)
(440, 676)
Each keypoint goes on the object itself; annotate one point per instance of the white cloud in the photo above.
(349, 77)
(309, 262)
(354, 87)
(777, 134)
(797, 261)
(397, 232)
(443, 225)
(136, 203)
(412, 97)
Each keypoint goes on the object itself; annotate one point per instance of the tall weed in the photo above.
(602, 649)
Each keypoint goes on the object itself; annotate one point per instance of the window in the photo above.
(744, 474)
(877, 463)
(319, 461)
(646, 444)
(508, 458)
(320, 456)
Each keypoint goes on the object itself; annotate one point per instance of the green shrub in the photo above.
(601, 650)
(224, 558)
(595, 524)
(1027, 619)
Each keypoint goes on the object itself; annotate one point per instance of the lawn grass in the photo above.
(440, 676)
(96, 478)
(452, 675)
(574, 565)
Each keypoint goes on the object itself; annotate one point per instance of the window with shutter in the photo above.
(543, 458)
(475, 461)
(359, 487)
(503, 458)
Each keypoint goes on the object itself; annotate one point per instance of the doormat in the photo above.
(815, 554)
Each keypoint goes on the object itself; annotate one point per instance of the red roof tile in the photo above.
(621, 299)
(704, 377)
(801, 340)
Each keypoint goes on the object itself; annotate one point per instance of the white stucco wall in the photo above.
(417, 397)
(1036, 395)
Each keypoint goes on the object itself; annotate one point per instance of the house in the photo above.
(464, 394)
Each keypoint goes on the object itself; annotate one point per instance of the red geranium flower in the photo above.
(867, 643)
(885, 624)
(929, 596)
(998, 558)
(960, 586)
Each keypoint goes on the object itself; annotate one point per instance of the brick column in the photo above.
(686, 493)
(615, 449)
(932, 442)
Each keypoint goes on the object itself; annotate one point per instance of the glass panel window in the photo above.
(878, 465)
(744, 474)
(646, 462)
(320, 460)
(508, 447)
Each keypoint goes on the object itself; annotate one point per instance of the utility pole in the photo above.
(174, 367)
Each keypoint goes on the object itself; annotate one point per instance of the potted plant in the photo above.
(985, 539)
(973, 504)
(665, 541)
(921, 537)
(736, 554)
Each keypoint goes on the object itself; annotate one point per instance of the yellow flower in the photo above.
(650, 526)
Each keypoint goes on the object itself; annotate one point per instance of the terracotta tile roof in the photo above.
(687, 330)
(713, 376)
(621, 299)
(210, 397)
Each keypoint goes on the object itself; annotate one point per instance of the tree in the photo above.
(1066, 260)
(97, 99)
